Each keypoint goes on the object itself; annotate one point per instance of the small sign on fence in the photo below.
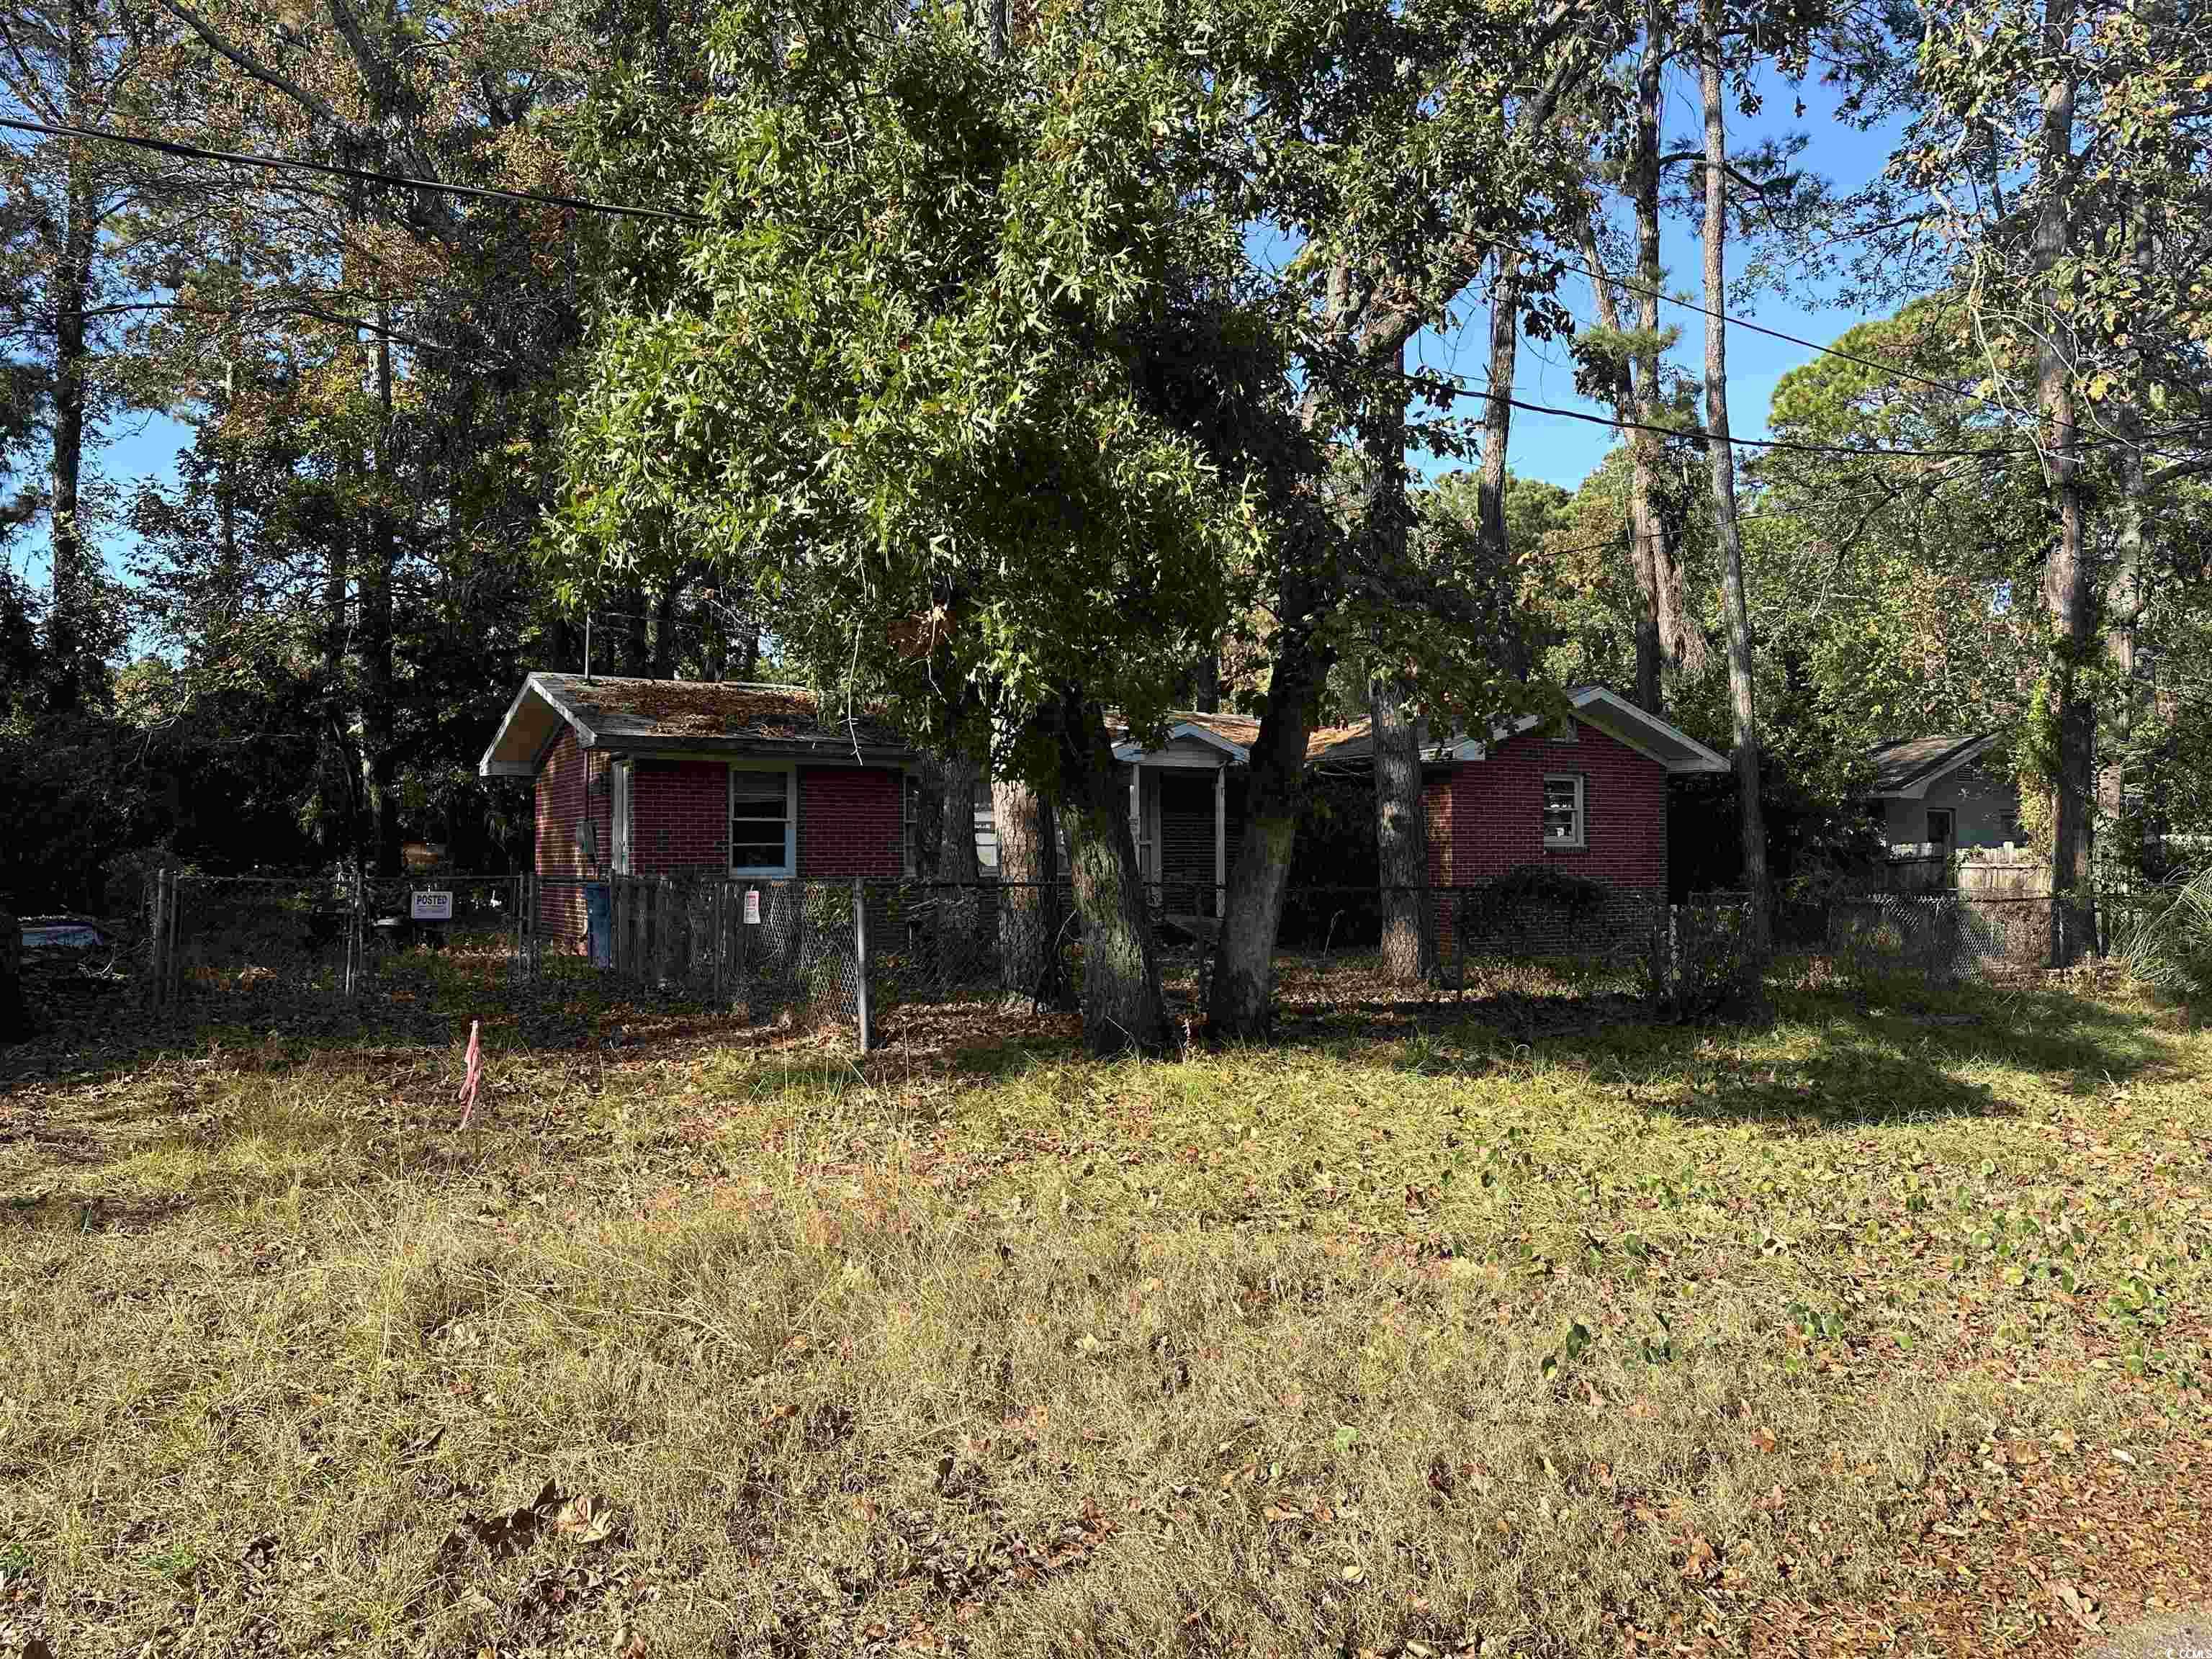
(430, 906)
(753, 907)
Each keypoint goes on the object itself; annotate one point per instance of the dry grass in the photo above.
(1842, 1332)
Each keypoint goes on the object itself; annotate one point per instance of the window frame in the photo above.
(1580, 841)
(789, 868)
(1949, 843)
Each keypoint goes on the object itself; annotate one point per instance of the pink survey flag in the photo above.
(475, 1076)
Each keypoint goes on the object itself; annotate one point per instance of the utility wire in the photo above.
(1455, 386)
(398, 180)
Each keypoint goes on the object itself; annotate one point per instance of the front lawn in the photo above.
(1879, 1330)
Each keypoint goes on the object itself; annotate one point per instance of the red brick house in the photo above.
(654, 777)
(1586, 796)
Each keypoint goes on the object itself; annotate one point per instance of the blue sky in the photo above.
(1562, 451)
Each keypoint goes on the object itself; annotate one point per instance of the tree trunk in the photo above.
(955, 779)
(1205, 691)
(1401, 836)
(2124, 604)
(344, 762)
(1745, 717)
(1401, 823)
(69, 625)
(1489, 485)
(666, 651)
(1658, 573)
(1240, 997)
(379, 694)
(1643, 532)
(1122, 1008)
(2066, 591)
(1029, 918)
(1240, 1002)
(14, 1021)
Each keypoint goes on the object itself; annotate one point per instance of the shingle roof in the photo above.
(633, 713)
(1901, 763)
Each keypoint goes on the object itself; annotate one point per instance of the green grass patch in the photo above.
(1461, 1339)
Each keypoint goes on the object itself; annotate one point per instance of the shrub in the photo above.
(1702, 962)
(2167, 944)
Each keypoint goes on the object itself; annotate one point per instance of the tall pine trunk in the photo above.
(1122, 1008)
(1743, 716)
(2069, 715)
(1490, 482)
(379, 680)
(1663, 620)
(1643, 531)
(69, 621)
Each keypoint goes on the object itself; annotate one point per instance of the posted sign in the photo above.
(429, 906)
(752, 906)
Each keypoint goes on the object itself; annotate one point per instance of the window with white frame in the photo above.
(763, 820)
(1564, 824)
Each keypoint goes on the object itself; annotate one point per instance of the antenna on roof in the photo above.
(587, 645)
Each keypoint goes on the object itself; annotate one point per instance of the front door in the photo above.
(1940, 831)
(621, 815)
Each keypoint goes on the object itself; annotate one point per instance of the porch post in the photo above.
(1137, 816)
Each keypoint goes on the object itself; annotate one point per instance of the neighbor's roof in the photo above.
(1905, 767)
(635, 716)
(1354, 743)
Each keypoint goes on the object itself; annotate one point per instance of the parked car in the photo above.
(44, 935)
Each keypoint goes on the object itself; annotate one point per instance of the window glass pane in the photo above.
(760, 816)
(1562, 810)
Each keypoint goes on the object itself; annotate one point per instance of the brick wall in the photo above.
(1486, 817)
(563, 798)
(851, 822)
(679, 817)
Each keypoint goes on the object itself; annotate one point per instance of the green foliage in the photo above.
(1700, 962)
(2166, 942)
(949, 384)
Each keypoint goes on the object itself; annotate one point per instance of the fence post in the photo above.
(356, 939)
(860, 957)
(1458, 937)
(157, 955)
(173, 986)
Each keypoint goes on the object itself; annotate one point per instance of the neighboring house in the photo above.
(651, 777)
(1937, 795)
(1587, 797)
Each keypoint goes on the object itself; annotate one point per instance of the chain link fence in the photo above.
(873, 955)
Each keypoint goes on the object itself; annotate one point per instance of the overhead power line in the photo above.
(1451, 384)
(1454, 385)
(365, 175)
(1628, 286)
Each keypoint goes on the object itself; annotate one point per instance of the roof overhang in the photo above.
(1236, 752)
(1605, 711)
(1645, 733)
(1916, 788)
(535, 719)
(532, 725)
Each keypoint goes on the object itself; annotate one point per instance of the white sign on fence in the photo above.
(430, 906)
(753, 907)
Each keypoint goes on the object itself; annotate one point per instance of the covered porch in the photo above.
(1187, 812)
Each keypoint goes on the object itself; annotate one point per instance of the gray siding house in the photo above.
(1937, 795)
